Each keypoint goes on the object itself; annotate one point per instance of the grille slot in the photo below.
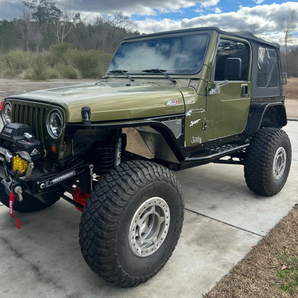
(31, 115)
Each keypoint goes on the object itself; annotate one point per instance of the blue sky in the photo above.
(194, 11)
(223, 6)
(262, 17)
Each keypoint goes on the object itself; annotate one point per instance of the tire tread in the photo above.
(258, 165)
(113, 193)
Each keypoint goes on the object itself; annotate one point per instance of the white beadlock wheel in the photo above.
(149, 227)
(279, 163)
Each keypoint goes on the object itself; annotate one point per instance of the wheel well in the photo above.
(274, 116)
(147, 142)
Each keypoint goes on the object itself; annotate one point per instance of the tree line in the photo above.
(288, 23)
(43, 24)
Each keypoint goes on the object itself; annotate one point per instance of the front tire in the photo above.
(268, 161)
(131, 223)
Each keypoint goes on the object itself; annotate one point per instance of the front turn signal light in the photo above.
(19, 165)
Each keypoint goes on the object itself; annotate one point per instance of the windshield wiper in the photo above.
(123, 72)
(162, 71)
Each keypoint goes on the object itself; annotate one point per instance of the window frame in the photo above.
(249, 58)
(277, 68)
(196, 71)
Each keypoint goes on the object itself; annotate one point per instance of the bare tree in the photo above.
(116, 27)
(293, 62)
(45, 13)
(119, 20)
(22, 26)
(288, 24)
(62, 28)
(30, 32)
(253, 28)
(36, 36)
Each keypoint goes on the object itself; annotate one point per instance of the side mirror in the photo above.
(233, 68)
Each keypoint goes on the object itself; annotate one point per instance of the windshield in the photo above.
(176, 55)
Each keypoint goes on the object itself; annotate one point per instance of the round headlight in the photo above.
(6, 113)
(55, 124)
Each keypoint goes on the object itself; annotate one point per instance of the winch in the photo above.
(18, 137)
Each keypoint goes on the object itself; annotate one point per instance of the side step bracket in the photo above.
(192, 161)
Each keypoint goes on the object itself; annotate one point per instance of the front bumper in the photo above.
(23, 165)
(10, 180)
(36, 182)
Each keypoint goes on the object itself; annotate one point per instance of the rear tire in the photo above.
(268, 161)
(132, 222)
(28, 205)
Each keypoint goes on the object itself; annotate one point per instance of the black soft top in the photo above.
(242, 34)
(255, 44)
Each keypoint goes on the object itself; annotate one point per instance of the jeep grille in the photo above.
(32, 115)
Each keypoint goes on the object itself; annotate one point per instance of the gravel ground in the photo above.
(292, 108)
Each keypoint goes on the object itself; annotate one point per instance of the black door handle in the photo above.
(244, 90)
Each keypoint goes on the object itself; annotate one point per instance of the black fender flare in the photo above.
(266, 115)
(165, 131)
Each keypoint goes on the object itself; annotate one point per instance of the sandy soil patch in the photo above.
(291, 90)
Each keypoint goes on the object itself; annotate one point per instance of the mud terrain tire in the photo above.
(124, 222)
(268, 161)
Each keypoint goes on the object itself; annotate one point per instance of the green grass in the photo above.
(289, 277)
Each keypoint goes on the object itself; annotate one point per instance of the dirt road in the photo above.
(292, 108)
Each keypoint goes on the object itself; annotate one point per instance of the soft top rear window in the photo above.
(174, 55)
(267, 75)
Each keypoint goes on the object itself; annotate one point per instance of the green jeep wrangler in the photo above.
(169, 101)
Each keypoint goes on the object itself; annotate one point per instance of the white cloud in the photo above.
(10, 9)
(150, 25)
(198, 10)
(258, 1)
(217, 10)
(264, 17)
(139, 7)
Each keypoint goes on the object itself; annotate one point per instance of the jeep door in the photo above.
(229, 93)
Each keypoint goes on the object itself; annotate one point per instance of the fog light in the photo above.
(19, 165)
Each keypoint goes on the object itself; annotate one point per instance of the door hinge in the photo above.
(204, 124)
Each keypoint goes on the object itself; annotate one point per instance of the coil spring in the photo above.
(106, 160)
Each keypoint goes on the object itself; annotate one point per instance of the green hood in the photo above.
(112, 101)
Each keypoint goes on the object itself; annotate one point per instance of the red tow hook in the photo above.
(12, 199)
(80, 197)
